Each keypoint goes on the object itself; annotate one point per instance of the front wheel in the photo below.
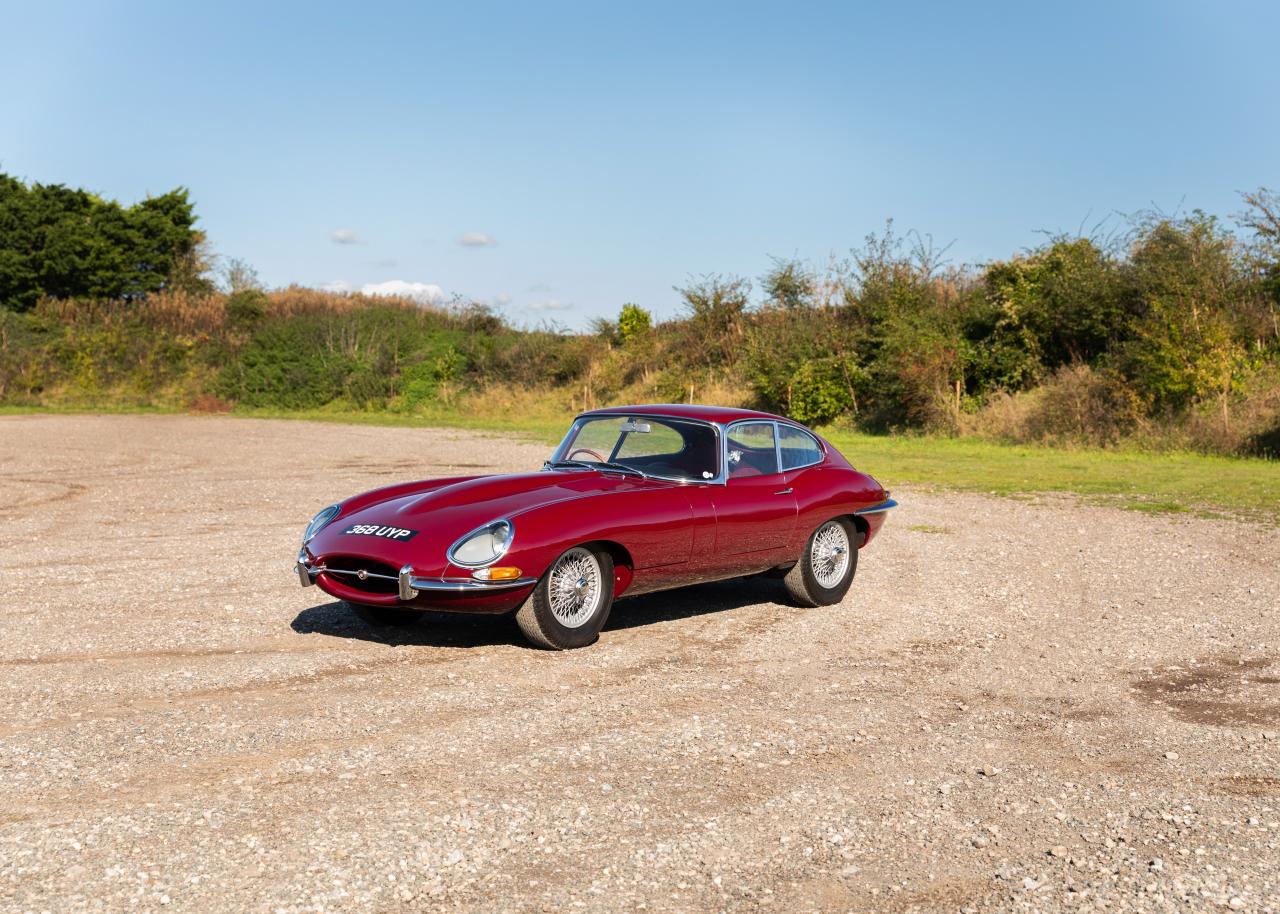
(826, 567)
(571, 603)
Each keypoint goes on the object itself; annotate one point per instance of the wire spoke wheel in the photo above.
(830, 554)
(575, 587)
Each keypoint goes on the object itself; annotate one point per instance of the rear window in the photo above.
(799, 448)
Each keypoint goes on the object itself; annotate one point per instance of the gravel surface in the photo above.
(1020, 706)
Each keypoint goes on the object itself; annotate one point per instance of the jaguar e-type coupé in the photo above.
(634, 500)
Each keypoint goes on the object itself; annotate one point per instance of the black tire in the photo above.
(546, 618)
(810, 580)
(386, 616)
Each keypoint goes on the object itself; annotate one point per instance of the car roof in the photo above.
(721, 414)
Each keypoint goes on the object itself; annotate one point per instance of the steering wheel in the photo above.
(585, 450)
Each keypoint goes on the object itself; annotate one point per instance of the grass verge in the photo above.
(1151, 482)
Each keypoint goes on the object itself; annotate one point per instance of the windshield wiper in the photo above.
(623, 468)
(595, 465)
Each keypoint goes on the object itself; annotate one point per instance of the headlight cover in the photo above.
(484, 546)
(318, 522)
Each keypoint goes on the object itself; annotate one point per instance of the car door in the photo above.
(755, 508)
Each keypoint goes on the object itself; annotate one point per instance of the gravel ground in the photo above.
(1021, 706)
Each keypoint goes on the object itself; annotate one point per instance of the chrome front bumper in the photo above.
(409, 584)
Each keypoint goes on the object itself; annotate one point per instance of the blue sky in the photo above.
(562, 159)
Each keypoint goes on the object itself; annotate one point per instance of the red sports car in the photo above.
(635, 499)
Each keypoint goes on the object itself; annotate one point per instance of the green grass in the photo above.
(1149, 482)
(1152, 482)
(929, 528)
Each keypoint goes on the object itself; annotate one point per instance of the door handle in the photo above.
(786, 491)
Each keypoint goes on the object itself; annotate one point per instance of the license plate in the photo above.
(389, 533)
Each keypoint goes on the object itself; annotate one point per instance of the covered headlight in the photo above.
(318, 522)
(483, 546)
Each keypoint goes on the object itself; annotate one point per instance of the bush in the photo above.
(247, 307)
(287, 365)
(633, 323)
(715, 328)
(823, 390)
(1083, 406)
(421, 381)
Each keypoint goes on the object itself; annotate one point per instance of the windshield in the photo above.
(669, 448)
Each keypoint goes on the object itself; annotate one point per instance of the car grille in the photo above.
(376, 578)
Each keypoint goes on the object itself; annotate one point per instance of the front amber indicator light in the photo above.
(496, 574)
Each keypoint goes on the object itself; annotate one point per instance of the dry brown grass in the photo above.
(177, 312)
(1080, 406)
(1076, 406)
(188, 314)
(294, 300)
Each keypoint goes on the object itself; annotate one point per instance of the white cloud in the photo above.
(551, 304)
(345, 236)
(338, 285)
(477, 240)
(502, 298)
(539, 288)
(425, 292)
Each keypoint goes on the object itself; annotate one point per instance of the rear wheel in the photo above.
(826, 567)
(386, 616)
(572, 601)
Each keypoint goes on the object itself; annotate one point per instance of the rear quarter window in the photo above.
(799, 448)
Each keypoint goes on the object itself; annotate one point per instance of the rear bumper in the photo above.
(431, 593)
(874, 516)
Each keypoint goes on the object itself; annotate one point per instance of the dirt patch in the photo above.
(1222, 691)
(1249, 785)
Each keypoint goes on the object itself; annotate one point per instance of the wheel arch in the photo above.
(857, 521)
(624, 566)
(861, 526)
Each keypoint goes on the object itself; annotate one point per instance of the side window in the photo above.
(799, 449)
(751, 450)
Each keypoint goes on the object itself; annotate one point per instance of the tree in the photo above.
(790, 284)
(717, 305)
(64, 243)
(1263, 216)
(238, 275)
(1186, 285)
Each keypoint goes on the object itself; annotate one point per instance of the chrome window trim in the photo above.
(462, 539)
(722, 433)
(718, 480)
(822, 450)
